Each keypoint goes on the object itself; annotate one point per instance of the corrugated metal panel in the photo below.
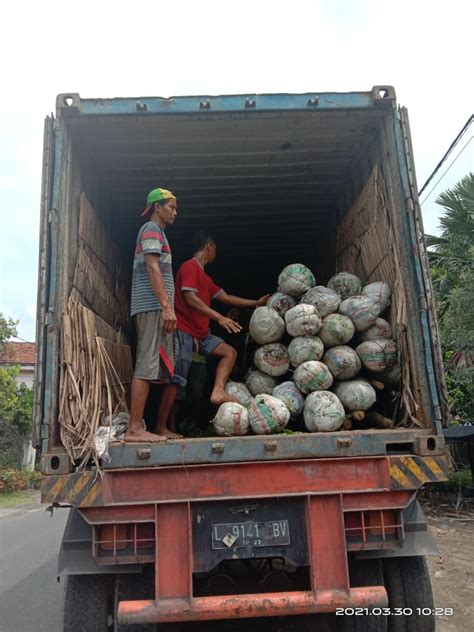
(266, 185)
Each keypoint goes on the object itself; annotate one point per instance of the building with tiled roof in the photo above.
(23, 355)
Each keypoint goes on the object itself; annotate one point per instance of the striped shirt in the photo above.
(151, 239)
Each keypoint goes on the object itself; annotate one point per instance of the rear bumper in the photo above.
(154, 516)
(246, 606)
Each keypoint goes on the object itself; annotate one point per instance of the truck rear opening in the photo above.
(250, 526)
(321, 180)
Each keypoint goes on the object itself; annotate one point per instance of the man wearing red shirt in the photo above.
(194, 291)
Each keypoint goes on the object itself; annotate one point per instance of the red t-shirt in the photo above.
(192, 278)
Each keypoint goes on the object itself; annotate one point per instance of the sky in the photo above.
(110, 49)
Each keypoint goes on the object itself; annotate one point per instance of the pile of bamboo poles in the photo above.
(366, 246)
(94, 371)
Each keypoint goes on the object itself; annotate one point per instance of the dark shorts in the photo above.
(185, 346)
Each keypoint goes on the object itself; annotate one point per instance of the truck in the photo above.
(294, 531)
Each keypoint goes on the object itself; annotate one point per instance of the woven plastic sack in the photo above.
(281, 302)
(268, 415)
(258, 382)
(336, 330)
(345, 284)
(296, 279)
(304, 348)
(231, 420)
(291, 396)
(343, 362)
(240, 392)
(380, 292)
(312, 376)
(266, 325)
(361, 309)
(380, 330)
(325, 300)
(323, 412)
(303, 320)
(355, 394)
(391, 377)
(272, 359)
(377, 355)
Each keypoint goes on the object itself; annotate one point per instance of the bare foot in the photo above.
(168, 434)
(219, 396)
(142, 436)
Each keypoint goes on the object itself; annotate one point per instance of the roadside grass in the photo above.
(17, 499)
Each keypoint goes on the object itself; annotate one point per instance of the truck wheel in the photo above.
(138, 586)
(365, 573)
(409, 587)
(86, 604)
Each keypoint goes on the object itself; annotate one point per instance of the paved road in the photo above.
(30, 597)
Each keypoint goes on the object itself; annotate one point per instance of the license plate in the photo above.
(233, 535)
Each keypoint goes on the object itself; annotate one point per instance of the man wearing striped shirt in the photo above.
(152, 305)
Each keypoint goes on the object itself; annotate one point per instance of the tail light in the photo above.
(124, 543)
(375, 529)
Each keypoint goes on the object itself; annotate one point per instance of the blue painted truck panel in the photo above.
(71, 106)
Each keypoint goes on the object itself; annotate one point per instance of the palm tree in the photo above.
(451, 257)
(453, 251)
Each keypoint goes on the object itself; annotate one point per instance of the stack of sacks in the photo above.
(314, 343)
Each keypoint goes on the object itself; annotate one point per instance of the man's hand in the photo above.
(229, 325)
(169, 319)
(263, 300)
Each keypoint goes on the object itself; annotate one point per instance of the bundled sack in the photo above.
(378, 355)
(391, 377)
(281, 302)
(268, 415)
(231, 420)
(312, 376)
(304, 348)
(266, 325)
(291, 396)
(336, 329)
(380, 330)
(296, 279)
(273, 359)
(345, 284)
(325, 300)
(303, 320)
(258, 382)
(343, 362)
(355, 394)
(361, 309)
(380, 292)
(240, 392)
(323, 412)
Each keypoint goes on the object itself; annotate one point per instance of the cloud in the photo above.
(106, 49)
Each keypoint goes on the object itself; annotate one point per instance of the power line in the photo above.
(446, 171)
(450, 149)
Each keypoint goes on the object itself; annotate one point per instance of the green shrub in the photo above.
(456, 480)
(12, 480)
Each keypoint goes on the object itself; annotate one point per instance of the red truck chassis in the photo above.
(149, 516)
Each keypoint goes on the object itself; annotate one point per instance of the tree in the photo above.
(16, 401)
(7, 329)
(452, 266)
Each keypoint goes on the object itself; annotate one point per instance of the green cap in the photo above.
(157, 195)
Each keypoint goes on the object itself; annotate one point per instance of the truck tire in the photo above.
(139, 586)
(408, 586)
(86, 604)
(365, 573)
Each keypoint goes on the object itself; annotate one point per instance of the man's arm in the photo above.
(152, 262)
(237, 301)
(193, 300)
